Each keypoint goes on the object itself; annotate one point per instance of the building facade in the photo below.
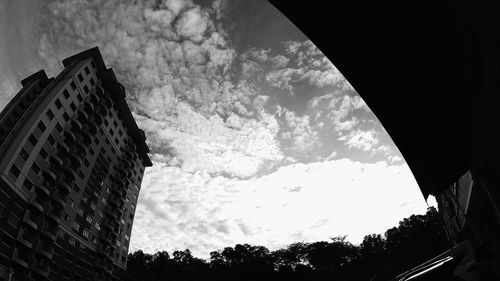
(71, 165)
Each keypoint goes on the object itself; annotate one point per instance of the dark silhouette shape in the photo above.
(416, 239)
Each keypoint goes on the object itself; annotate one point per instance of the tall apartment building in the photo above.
(71, 164)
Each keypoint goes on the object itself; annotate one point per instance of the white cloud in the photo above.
(239, 147)
(213, 138)
(298, 135)
(301, 201)
(279, 61)
(306, 63)
(363, 140)
(193, 24)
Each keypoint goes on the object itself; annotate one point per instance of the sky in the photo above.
(255, 136)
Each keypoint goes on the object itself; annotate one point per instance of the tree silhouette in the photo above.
(378, 257)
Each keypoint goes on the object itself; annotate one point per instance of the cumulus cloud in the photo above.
(295, 202)
(238, 147)
(221, 132)
(363, 140)
(309, 65)
(193, 24)
(299, 135)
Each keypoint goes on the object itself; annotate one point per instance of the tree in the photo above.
(413, 241)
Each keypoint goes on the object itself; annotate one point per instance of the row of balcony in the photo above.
(27, 259)
(47, 226)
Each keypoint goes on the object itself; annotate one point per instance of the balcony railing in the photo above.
(59, 199)
(82, 115)
(42, 267)
(54, 158)
(53, 211)
(38, 201)
(64, 147)
(107, 101)
(45, 248)
(69, 176)
(32, 219)
(69, 136)
(49, 230)
(43, 188)
(27, 237)
(21, 257)
(87, 137)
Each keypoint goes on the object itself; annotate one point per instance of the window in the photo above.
(84, 199)
(80, 77)
(41, 126)
(86, 233)
(86, 162)
(66, 217)
(80, 211)
(27, 184)
(58, 128)
(115, 124)
(13, 221)
(65, 116)
(100, 214)
(92, 206)
(89, 219)
(92, 152)
(73, 106)
(66, 94)
(97, 226)
(15, 171)
(76, 188)
(122, 220)
(127, 237)
(103, 200)
(71, 203)
(50, 114)
(85, 89)
(92, 64)
(92, 82)
(24, 155)
(81, 175)
(43, 153)
(118, 243)
(32, 139)
(87, 70)
(76, 226)
(35, 168)
(58, 104)
(79, 97)
(72, 241)
(51, 140)
(73, 85)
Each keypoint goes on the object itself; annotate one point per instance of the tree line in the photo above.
(378, 257)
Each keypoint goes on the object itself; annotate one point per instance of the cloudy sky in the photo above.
(255, 136)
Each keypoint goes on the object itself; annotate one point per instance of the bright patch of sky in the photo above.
(255, 136)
